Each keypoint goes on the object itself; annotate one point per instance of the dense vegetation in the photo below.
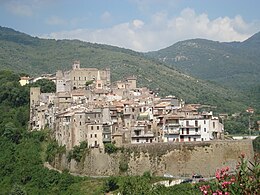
(243, 124)
(23, 153)
(234, 65)
(35, 56)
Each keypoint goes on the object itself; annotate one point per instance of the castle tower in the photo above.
(60, 82)
(108, 77)
(76, 65)
(132, 82)
(35, 93)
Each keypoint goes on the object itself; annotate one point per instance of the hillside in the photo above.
(235, 65)
(23, 53)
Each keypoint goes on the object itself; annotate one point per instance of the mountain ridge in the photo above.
(235, 64)
(22, 53)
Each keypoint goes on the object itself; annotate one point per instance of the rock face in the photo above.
(178, 159)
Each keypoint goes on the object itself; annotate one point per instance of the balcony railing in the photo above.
(172, 132)
(190, 133)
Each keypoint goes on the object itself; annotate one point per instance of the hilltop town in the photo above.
(87, 106)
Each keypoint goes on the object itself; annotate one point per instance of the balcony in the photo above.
(190, 133)
(174, 132)
(107, 140)
(172, 125)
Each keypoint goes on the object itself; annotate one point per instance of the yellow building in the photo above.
(24, 81)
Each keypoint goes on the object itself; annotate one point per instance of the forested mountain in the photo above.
(23, 53)
(235, 64)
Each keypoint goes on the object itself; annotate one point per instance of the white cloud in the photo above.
(18, 8)
(137, 24)
(25, 7)
(106, 17)
(163, 31)
(54, 20)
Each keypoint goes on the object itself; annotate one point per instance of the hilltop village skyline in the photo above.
(88, 107)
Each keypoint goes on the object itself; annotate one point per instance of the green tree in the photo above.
(256, 144)
(12, 133)
(110, 184)
(110, 148)
(46, 85)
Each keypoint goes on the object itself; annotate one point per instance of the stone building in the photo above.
(79, 78)
(87, 107)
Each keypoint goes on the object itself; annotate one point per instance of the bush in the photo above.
(52, 150)
(78, 152)
(256, 144)
(110, 148)
(123, 166)
(111, 184)
(245, 181)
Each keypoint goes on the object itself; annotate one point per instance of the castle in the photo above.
(88, 107)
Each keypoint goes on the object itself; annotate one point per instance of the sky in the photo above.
(140, 25)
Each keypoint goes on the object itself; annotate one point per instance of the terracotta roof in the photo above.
(163, 104)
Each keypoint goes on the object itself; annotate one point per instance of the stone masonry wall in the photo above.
(178, 159)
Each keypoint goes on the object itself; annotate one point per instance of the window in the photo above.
(214, 125)
(205, 129)
(80, 123)
(95, 135)
(187, 123)
(188, 131)
(137, 140)
(97, 127)
(79, 78)
(204, 122)
(99, 85)
(189, 139)
(91, 135)
(196, 123)
(194, 139)
(146, 140)
(74, 78)
(91, 127)
(196, 130)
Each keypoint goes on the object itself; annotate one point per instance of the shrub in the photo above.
(256, 144)
(245, 181)
(110, 184)
(123, 166)
(52, 150)
(78, 152)
(110, 148)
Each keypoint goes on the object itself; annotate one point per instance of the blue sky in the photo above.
(141, 25)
